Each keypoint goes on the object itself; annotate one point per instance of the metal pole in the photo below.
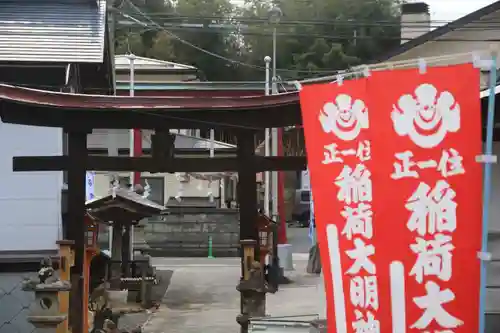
(212, 155)
(274, 54)
(112, 139)
(131, 58)
(212, 143)
(274, 152)
(487, 192)
(278, 181)
(132, 143)
(312, 226)
(267, 138)
(222, 189)
(274, 138)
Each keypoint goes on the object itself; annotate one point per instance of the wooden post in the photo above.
(249, 232)
(86, 287)
(126, 248)
(116, 256)
(77, 153)
(248, 247)
(247, 187)
(65, 263)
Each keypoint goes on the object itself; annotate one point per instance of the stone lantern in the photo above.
(252, 286)
(45, 312)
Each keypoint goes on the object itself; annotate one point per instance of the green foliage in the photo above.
(312, 35)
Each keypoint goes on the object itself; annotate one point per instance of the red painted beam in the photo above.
(282, 238)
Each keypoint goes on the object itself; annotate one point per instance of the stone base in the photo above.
(276, 274)
(46, 322)
(282, 279)
(318, 326)
(285, 256)
(117, 298)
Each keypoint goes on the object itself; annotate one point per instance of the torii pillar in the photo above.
(252, 284)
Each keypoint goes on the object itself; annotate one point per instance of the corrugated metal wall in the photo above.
(52, 30)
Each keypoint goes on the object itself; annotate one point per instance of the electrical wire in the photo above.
(353, 72)
(340, 22)
(326, 37)
(158, 26)
(484, 24)
(330, 72)
(241, 31)
(184, 41)
(261, 68)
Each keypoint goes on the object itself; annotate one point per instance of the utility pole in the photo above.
(111, 135)
(267, 145)
(135, 148)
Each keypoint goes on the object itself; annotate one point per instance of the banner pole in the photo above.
(312, 226)
(487, 192)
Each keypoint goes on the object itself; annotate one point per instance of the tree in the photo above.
(314, 37)
(322, 35)
(140, 40)
(179, 40)
(219, 41)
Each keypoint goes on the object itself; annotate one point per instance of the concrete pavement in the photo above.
(202, 296)
(299, 239)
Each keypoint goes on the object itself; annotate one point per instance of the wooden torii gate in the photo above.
(78, 115)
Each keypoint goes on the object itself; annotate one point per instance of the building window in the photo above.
(157, 184)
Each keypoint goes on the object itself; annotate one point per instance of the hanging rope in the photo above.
(409, 63)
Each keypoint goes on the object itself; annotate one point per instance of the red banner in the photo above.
(397, 195)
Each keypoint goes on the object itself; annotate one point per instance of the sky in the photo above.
(443, 10)
(450, 10)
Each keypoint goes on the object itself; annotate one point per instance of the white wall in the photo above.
(476, 40)
(195, 188)
(172, 185)
(30, 202)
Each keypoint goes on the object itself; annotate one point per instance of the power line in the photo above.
(184, 41)
(283, 25)
(206, 51)
(347, 22)
(218, 30)
(247, 23)
(239, 31)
